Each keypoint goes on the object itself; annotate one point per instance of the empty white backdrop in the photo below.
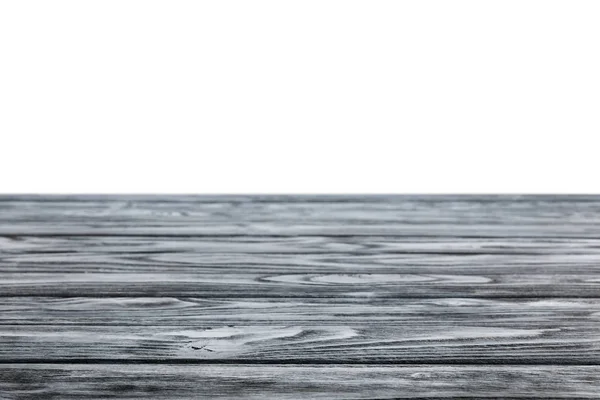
(318, 96)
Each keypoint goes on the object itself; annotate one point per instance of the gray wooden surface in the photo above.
(291, 297)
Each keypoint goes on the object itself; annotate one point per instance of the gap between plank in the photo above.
(297, 362)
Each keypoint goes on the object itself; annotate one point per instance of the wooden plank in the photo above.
(283, 229)
(302, 296)
(298, 255)
(319, 285)
(169, 311)
(399, 216)
(77, 381)
(342, 263)
(302, 228)
(308, 343)
(90, 245)
(261, 330)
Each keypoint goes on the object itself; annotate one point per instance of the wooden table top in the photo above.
(299, 297)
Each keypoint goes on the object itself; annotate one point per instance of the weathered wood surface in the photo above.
(286, 382)
(290, 285)
(296, 254)
(428, 216)
(377, 245)
(541, 313)
(299, 297)
(314, 331)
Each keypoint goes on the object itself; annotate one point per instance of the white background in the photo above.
(303, 96)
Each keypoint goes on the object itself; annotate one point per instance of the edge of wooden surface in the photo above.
(33, 381)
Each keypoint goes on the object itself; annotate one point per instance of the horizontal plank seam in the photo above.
(291, 235)
(301, 253)
(268, 273)
(263, 296)
(240, 198)
(300, 362)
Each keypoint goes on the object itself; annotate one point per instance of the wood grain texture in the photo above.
(285, 297)
(408, 331)
(293, 285)
(534, 313)
(427, 216)
(298, 255)
(78, 381)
